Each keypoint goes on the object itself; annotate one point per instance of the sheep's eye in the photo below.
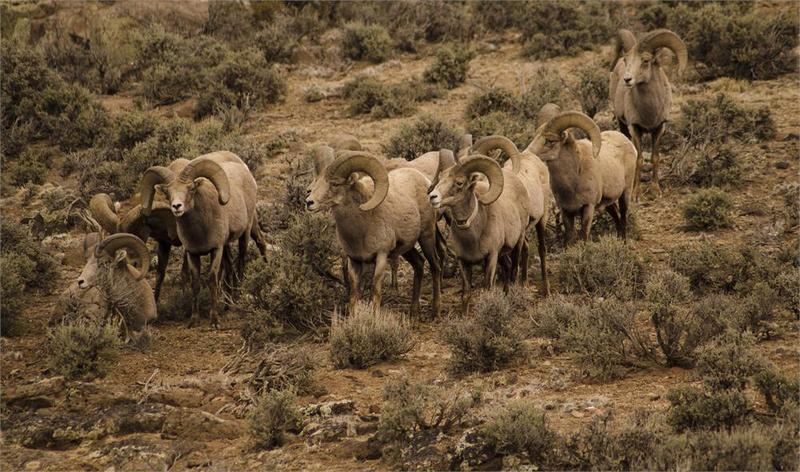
(459, 183)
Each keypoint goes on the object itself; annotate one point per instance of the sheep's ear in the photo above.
(121, 259)
(566, 138)
(352, 179)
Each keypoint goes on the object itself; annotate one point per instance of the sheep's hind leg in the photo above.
(540, 235)
(354, 271)
(432, 254)
(490, 270)
(381, 261)
(624, 205)
(586, 222)
(656, 135)
(466, 284)
(194, 264)
(636, 137)
(418, 264)
(613, 210)
(569, 229)
(214, 284)
(162, 253)
(257, 236)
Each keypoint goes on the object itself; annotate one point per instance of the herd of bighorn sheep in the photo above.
(386, 209)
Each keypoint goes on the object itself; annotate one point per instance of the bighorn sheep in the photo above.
(377, 220)
(641, 92)
(213, 200)
(122, 286)
(586, 175)
(489, 218)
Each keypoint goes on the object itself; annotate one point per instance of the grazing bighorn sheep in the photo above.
(586, 175)
(488, 218)
(641, 92)
(377, 221)
(122, 286)
(213, 200)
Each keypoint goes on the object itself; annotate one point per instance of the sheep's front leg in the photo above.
(636, 137)
(162, 254)
(540, 235)
(613, 210)
(656, 135)
(466, 283)
(194, 264)
(586, 222)
(569, 229)
(418, 264)
(214, 284)
(490, 270)
(523, 263)
(381, 261)
(354, 270)
(244, 243)
(432, 255)
(395, 263)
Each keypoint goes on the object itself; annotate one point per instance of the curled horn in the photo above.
(488, 167)
(211, 170)
(489, 143)
(464, 146)
(359, 161)
(624, 43)
(547, 113)
(131, 243)
(153, 176)
(664, 38)
(576, 119)
(322, 156)
(102, 209)
(446, 161)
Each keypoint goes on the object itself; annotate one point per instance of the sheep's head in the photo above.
(181, 190)
(640, 57)
(460, 188)
(552, 139)
(102, 254)
(334, 178)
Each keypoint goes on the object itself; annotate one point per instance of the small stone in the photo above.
(653, 397)
(782, 165)
(549, 406)
(378, 373)
(33, 465)
(577, 414)
(792, 137)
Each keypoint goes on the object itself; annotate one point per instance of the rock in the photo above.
(368, 450)
(792, 137)
(199, 425)
(335, 407)
(653, 397)
(577, 414)
(197, 459)
(549, 406)
(42, 388)
(180, 397)
(471, 450)
(377, 373)
(782, 165)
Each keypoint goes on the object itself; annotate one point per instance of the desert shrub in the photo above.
(745, 448)
(692, 409)
(12, 291)
(494, 99)
(281, 367)
(714, 120)
(552, 316)
(370, 43)
(789, 193)
(28, 169)
(591, 89)
(272, 415)
(607, 339)
(251, 150)
(370, 96)
(82, 350)
(603, 225)
(562, 28)
(312, 238)
(175, 302)
(520, 428)
(242, 79)
(752, 46)
(450, 67)
(413, 22)
(599, 447)
(367, 337)
(546, 86)
(313, 94)
(278, 41)
(787, 283)
(709, 266)
(96, 173)
(714, 166)
(607, 267)
(37, 101)
(680, 329)
(499, 15)
(487, 339)
(427, 133)
(777, 389)
(130, 128)
(232, 22)
(520, 132)
(708, 210)
(410, 407)
(728, 361)
(759, 309)
(39, 269)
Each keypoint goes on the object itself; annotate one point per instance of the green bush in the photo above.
(12, 290)
(708, 210)
(274, 414)
(411, 407)
(608, 267)
(278, 41)
(82, 350)
(680, 329)
(714, 166)
(757, 45)
(370, 96)
(450, 67)
(242, 79)
(709, 266)
(28, 169)
(494, 99)
(520, 132)
(487, 339)
(746, 448)
(591, 89)
(789, 193)
(787, 283)
(41, 269)
(729, 361)
(547, 86)
(231, 22)
(598, 447)
(551, 317)
(778, 390)
(521, 428)
(608, 338)
(692, 409)
(427, 133)
(367, 337)
(130, 128)
(370, 43)
(715, 120)
(563, 28)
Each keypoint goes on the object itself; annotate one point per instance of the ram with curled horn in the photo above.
(489, 209)
(379, 214)
(641, 92)
(213, 201)
(586, 175)
(117, 267)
